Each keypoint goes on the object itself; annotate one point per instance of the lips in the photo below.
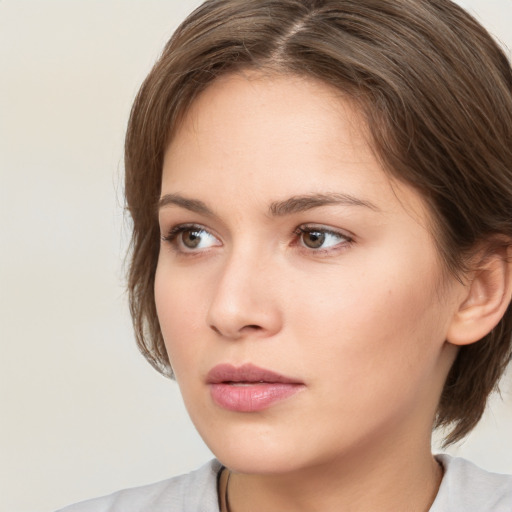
(249, 388)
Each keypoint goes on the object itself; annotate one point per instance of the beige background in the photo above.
(82, 414)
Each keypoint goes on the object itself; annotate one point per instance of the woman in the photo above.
(321, 194)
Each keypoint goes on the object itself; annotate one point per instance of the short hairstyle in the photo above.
(436, 92)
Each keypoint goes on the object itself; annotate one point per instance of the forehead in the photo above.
(289, 108)
(278, 136)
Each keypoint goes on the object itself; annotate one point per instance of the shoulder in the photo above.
(472, 489)
(193, 492)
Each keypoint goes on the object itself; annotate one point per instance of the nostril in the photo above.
(238, 333)
(251, 327)
(215, 329)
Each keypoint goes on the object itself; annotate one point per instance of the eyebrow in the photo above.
(194, 205)
(303, 203)
(289, 206)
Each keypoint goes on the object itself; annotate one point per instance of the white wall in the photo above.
(82, 414)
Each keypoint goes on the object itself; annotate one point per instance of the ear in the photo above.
(487, 296)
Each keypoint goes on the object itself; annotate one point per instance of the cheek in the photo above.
(181, 313)
(370, 355)
(368, 323)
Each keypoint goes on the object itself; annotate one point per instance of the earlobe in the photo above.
(487, 296)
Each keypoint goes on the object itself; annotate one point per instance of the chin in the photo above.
(259, 462)
(254, 449)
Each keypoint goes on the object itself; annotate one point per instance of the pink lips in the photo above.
(248, 388)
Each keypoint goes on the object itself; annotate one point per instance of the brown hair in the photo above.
(436, 91)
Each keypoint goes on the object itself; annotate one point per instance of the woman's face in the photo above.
(298, 289)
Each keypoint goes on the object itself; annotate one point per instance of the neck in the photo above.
(394, 484)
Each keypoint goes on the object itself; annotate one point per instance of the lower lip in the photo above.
(251, 397)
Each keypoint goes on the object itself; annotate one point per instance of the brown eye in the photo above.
(191, 238)
(313, 239)
(320, 238)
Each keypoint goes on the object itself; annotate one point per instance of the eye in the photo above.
(189, 238)
(314, 237)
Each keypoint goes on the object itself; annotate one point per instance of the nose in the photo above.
(245, 301)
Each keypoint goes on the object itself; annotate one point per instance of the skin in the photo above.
(361, 321)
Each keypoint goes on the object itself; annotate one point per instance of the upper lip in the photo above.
(246, 373)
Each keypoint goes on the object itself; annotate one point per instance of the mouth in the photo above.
(249, 388)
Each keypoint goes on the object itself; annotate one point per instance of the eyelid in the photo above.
(174, 232)
(325, 229)
(347, 238)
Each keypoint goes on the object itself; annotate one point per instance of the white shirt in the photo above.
(464, 488)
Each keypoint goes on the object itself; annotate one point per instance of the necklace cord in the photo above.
(226, 498)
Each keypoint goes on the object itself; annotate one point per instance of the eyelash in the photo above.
(345, 239)
(176, 230)
(172, 238)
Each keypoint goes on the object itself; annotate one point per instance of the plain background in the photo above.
(81, 413)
